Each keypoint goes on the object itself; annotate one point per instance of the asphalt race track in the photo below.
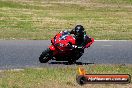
(25, 53)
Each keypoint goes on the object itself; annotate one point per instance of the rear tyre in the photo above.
(71, 61)
(45, 56)
(79, 53)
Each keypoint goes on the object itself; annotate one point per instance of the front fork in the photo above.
(52, 52)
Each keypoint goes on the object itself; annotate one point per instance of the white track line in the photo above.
(113, 40)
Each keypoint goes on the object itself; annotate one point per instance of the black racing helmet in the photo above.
(79, 30)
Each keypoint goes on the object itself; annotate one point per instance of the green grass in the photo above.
(59, 77)
(116, 1)
(41, 19)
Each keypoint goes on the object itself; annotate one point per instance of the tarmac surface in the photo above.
(25, 53)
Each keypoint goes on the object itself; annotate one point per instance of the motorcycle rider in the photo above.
(80, 35)
(74, 46)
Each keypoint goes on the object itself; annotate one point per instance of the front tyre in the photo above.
(45, 56)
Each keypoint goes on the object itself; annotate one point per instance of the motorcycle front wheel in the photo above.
(45, 56)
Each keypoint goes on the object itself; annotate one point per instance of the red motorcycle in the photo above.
(63, 48)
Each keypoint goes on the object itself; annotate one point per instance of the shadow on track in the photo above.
(66, 63)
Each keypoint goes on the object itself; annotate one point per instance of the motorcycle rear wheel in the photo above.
(45, 56)
(71, 61)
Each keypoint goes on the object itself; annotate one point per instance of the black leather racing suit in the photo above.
(81, 40)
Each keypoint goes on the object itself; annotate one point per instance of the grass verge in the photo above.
(59, 77)
(41, 19)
